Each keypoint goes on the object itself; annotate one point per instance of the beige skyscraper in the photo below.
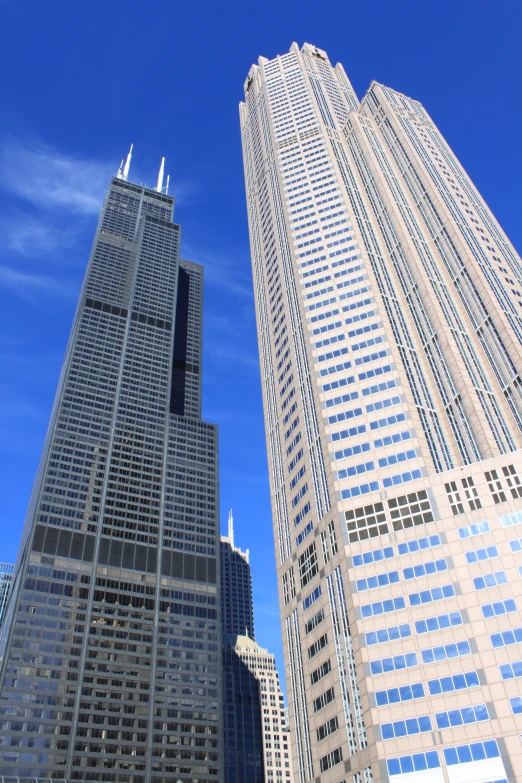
(389, 312)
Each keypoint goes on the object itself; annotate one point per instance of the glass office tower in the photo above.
(389, 314)
(6, 577)
(237, 605)
(111, 654)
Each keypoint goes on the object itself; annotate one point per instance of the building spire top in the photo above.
(159, 185)
(231, 527)
(126, 168)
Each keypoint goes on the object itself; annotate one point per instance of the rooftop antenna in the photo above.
(119, 174)
(159, 186)
(127, 163)
(167, 185)
(231, 527)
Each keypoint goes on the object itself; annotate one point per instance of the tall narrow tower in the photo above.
(389, 313)
(237, 606)
(111, 649)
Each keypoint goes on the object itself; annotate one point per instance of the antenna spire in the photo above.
(231, 527)
(119, 174)
(159, 186)
(167, 185)
(127, 163)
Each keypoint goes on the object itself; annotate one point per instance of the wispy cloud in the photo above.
(51, 179)
(226, 272)
(27, 284)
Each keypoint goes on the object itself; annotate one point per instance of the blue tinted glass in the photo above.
(388, 606)
(357, 560)
(487, 610)
(446, 683)
(400, 603)
(471, 557)
(510, 605)
(481, 712)
(432, 624)
(491, 749)
(467, 715)
(408, 573)
(400, 728)
(455, 618)
(518, 634)
(381, 698)
(464, 754)
(393, 696)
(444, 621)
(406, 764)
(371, 638)
(402, 549)
(421, 627)
(516, 704)
(435, 687)
(414, 599)
(517, 668)
(442, 720)
(427, 656)
(419, 761)
(366, 611)
(459, 681)
(439, 653)
(387, 665)
(472, 679)
(425, 723)
(411, 659)
(448, 590)
(387, 731)
(432, 759)
(496, 640)
(394, 767)
(450, 754)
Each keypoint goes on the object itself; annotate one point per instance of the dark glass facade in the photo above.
(111, 651)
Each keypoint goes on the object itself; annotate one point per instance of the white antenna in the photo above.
(159, 186)
(119, 174)
(127, 163)
(231, 527)
(167, 185)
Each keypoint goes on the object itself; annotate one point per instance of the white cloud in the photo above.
(51, 179)
(26, 284)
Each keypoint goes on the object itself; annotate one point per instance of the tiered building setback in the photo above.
(111, 648)
(389, 312)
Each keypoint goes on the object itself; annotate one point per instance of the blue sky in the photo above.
(83, 80)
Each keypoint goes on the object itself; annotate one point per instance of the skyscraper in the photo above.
(6, 576)
(389, 313)
(111, 659)
(237, 606)
(256, 737)
(256, 741)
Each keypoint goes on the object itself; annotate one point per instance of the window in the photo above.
(327, 728)
(428, 596)
(459, 717)
(499, 607)
(410, 510)
(416, 763)
(321, 672)
(324, 699)
(477, 751)
(495, 486)
(317, 646)
(419, 544)
(513, 481)
(366, 522)
(516, 705)
(511, 636)
(401, 728)
(510, 671)
(516, 545)
(308, 565)
(456, 682)
(476, 555)
(424, 569)
(381, 607)
(473, 530)
(309, 600)
(369, 583)
(438, 623)
(471, 493)
(490, 580)
(511, 519)
(454, 498)
(384, 665)
(314, 621)
(372, 556)
(454, 650)
(388, 634)
(396, 695)
(331, 759)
